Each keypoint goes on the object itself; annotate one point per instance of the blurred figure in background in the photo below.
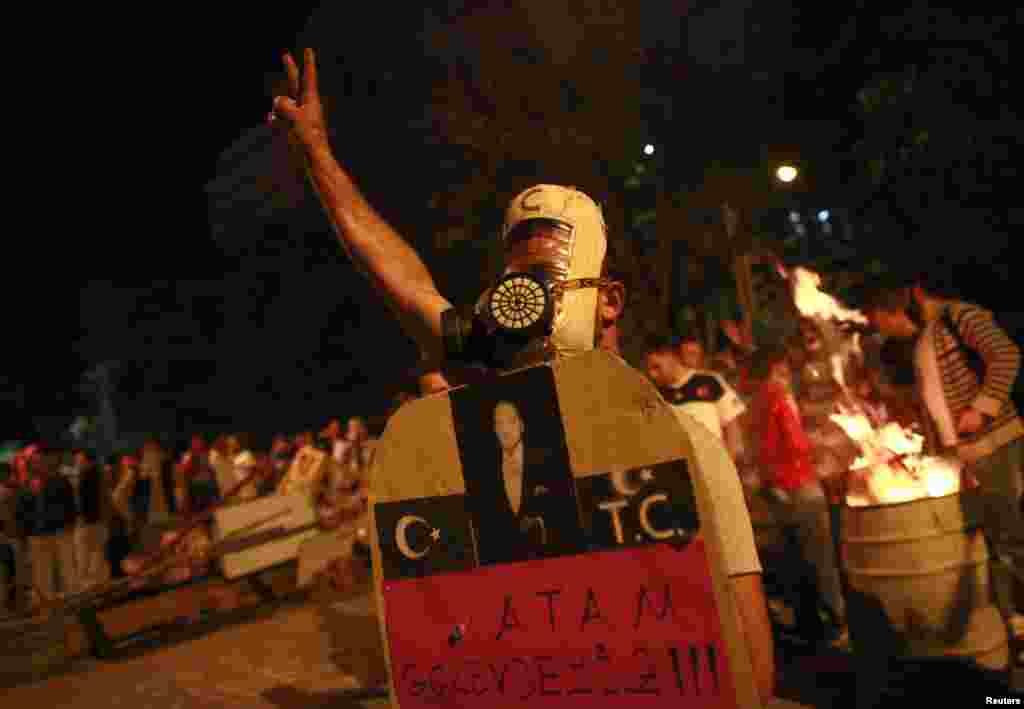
(46, 513)
(222, 462)
(95, 507)
(282, 453)
(785, 460)
(152, 467)
(704, 395)
(345, 487)
(119, 541)
(196, 487)
(331, 438)
(243, 462)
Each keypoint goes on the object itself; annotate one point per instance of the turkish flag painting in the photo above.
(632, 627)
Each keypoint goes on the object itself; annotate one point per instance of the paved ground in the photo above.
(297, 656)
(316, 653)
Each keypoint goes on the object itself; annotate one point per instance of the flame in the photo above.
(893, 468)
(888, 486)
(811, 301)
(900, 440)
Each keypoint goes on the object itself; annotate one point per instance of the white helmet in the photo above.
(573, 258)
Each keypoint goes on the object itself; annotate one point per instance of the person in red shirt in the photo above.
(785, 458)
(784, 450)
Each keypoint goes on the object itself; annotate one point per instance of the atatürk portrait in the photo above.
(521, 493)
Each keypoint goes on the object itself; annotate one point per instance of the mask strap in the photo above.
(580, 283)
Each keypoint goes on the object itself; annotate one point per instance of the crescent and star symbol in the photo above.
(402, 538)
(620, 481)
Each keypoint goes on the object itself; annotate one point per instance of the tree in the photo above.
(937, 148)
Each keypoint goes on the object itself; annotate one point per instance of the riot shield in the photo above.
(549, 537)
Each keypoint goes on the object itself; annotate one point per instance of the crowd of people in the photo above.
(770, 407)
(929, 362)
(71, 522)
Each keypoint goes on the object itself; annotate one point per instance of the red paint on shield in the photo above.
(633, 627)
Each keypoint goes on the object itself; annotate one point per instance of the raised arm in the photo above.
(375, 248)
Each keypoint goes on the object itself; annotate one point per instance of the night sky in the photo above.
(213, 335)
(130, 270)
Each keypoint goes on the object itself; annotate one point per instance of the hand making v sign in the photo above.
(302, 109)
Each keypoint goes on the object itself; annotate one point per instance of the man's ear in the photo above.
(611, 302)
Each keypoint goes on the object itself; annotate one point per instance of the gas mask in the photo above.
(544, 305)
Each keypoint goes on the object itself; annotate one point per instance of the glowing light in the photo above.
(648, 149)
(786, 173)
(823, 216)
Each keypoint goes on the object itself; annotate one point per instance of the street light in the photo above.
(786, 173)
(648, 149)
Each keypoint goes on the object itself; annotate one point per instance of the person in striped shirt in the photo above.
(967, 411)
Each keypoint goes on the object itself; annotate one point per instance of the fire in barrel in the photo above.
(917, 566)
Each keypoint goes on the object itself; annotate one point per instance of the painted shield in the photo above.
(540, 539)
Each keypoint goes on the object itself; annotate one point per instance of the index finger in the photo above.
(293, 75)
(310, 87)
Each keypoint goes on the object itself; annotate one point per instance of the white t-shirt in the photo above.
(708, 398)
(931, 386)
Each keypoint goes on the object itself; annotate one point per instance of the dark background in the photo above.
(272, 329)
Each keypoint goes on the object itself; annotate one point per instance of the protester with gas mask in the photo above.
(966, 366)
(552, 301)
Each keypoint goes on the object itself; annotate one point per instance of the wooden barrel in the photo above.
(32, 647)
(919, 583)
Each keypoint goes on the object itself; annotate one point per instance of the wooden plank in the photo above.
(294, 511)
(138, 614)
